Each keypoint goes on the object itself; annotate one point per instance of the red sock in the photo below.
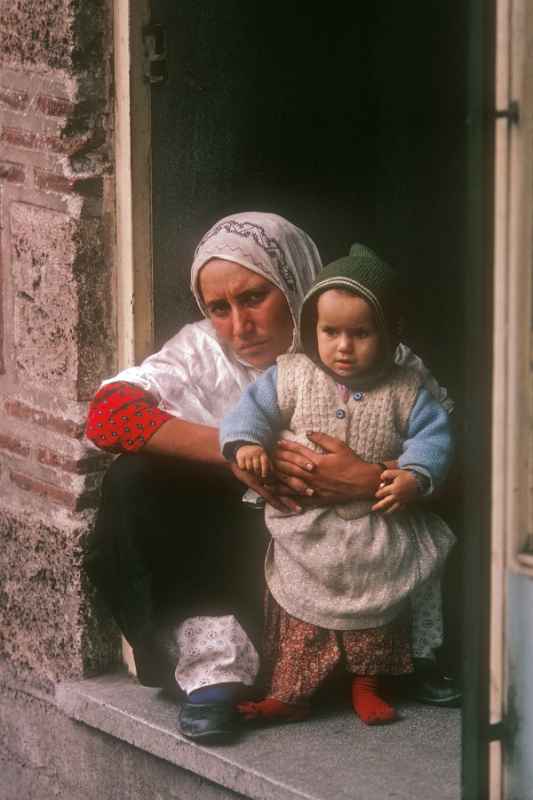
(272, 709)
(367, 704)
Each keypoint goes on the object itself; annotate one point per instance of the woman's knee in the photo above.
(127, 510)
(138, 477)
(128, 470)
(131, 500)
(141, 471)
(152, 496)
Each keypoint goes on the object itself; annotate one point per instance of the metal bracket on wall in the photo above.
(496, 731)
(155, 54)
(511, 113)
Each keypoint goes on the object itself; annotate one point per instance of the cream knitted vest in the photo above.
(374, 425)
(343, 567)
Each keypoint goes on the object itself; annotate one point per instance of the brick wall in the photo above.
(57, 331)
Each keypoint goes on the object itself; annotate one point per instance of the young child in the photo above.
(339, 578)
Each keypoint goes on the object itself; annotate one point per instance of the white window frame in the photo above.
(512, 388)
(133, 196)
(133, 164)
(512, 400)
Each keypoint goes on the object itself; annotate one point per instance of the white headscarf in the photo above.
(266, 244)
(196, 376)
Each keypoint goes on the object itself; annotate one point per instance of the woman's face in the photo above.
(249, 313)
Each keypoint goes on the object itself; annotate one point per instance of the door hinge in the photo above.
(511, 113)
(496, 731)
(155, 54)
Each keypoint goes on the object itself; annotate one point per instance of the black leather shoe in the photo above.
(431, 686)
(208, 723)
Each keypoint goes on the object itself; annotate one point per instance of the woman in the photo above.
(176, 552)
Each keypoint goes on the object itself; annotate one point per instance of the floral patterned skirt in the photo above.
(299, 656)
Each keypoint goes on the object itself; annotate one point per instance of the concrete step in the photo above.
(333, 756)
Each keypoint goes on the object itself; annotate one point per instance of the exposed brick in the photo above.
(19, 137)
(13, 444)
(34, 33)
(55, 494)
(51, 182)
(12, 172)
(14, 408)
(79, 466)
(54, 106)
(22, 137)
(13, 99)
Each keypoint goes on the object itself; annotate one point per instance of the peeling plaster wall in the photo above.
(57, 328)
(50, 619)
(41, 34)
(46, 308)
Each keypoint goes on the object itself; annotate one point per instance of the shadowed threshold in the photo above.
(332, 756)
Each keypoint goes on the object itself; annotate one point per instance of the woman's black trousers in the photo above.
(174, 540)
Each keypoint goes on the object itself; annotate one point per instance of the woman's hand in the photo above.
(398, 487)
(336, 476)
(270, 492)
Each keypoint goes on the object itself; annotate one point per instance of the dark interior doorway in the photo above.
(348, 120)
(350, 123)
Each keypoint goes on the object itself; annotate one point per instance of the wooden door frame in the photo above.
(477, 452)
(499, 398)
(512, 532)
(133, 164)
(134, 292)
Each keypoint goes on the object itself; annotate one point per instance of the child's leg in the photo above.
(367, 703)
(426, 619)
(303, 655)
(371, 654)
(430, 685)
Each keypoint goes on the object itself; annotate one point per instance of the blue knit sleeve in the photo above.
(256, 419)
(429, 444)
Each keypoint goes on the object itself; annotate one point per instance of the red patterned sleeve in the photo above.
(122, 417)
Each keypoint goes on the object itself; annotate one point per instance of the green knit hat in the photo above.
(365, 274)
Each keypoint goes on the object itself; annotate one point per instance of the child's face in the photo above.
(347, 335)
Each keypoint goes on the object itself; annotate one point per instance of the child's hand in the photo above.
(398, 487)
(253, 458)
